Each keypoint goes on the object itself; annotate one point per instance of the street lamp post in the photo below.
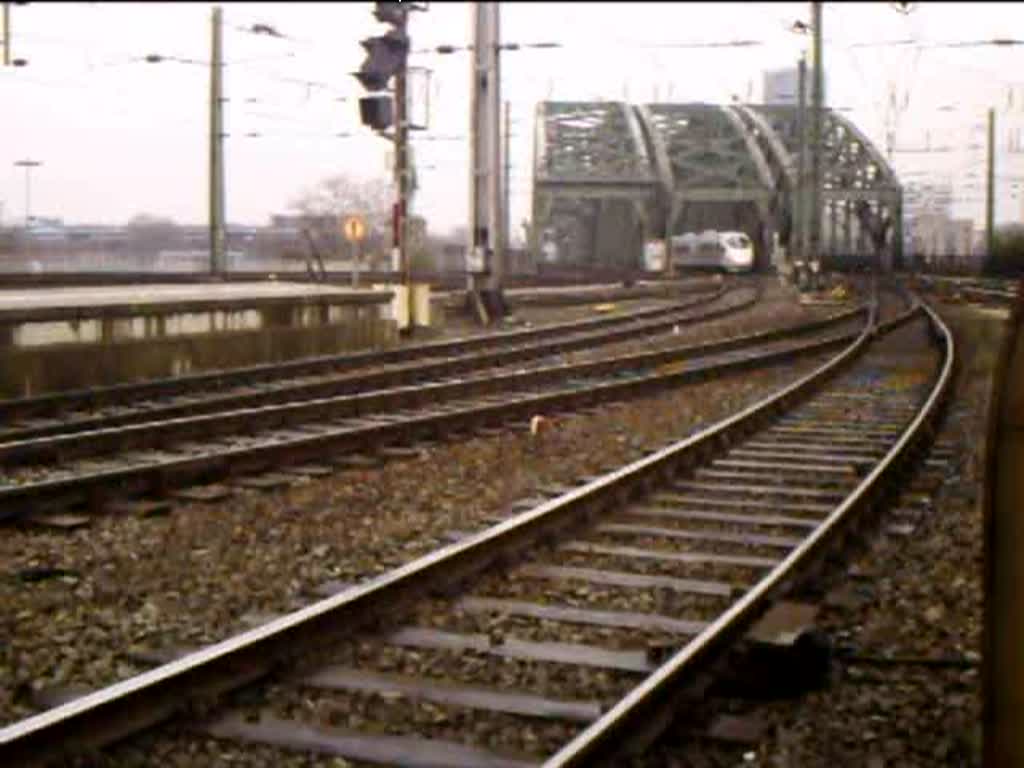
(28, 165)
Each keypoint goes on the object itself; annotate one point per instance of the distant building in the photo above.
(782, 86)
(47, 229)
(287, 222)
(942, 242)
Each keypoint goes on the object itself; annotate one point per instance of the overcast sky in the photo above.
(118, 136)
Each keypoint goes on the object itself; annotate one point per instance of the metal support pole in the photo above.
(402, 174)
(833, 228)
(28, 165)
(217, 234)
(486, 220)
(990, 187)
(897, 258)
(817, 97)
(497, 218)
(28, 196)
(357, 256)
(534, 232)
(847, 229)
(507, 177)
(7, 34)
(477, 198)
(674, 210)
(798, 235)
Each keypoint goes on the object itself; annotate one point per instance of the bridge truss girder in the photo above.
(713, 176)
(608, 177)
(593, 185)
(855, 174)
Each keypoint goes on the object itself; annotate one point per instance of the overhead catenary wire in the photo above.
(246, 68)
(237, 64)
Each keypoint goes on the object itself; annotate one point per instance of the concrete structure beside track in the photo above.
(55, 339)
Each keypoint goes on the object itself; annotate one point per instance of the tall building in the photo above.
(782, 86)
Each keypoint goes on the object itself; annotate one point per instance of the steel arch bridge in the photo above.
(608, 176)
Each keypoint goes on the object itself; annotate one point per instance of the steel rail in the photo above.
(118, 393)
(456, 279)
(145, 699)
(603, 739)
(344, 296)
(984, 291)
(344, 383)
(153, 433)
(989, 294)
(94, 487)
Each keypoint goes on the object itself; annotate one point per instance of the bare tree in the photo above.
(328, 202)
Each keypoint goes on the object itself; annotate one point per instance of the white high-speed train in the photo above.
(731, 251)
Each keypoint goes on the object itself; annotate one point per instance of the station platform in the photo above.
(45, 304)
(59, 338)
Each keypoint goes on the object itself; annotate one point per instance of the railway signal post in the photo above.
(387, 59)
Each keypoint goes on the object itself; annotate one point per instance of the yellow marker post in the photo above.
(354, 229)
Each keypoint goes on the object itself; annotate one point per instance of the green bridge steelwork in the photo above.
(609, 176)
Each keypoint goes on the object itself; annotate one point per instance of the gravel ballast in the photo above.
(206, 571)
(188, 578)
(915, 596)
(423, 506)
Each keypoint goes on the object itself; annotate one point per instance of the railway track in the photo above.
(994, 292)
(155, 456)
(450, 280)
(333, 374)
(562, 634)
